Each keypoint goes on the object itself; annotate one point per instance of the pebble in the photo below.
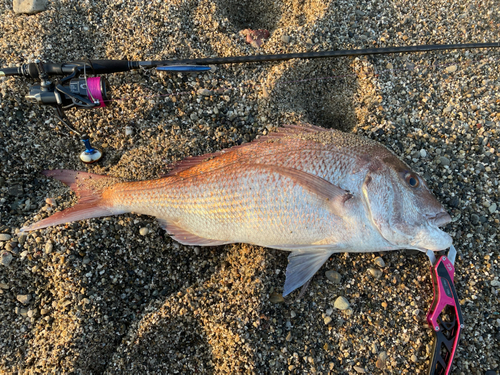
(129, 130)
(24, 298)
(375, 272)
(285, 38)
(381, 360)
(333, 276)
(423, 153)
(327, 320)
(414, 358)
(495, 283)
(389, 66)
(444, 160)
(492, 208)
(143, 231)
(451, 69)
(50, 201)
(474, 219)
(204, 92)
(49, 247)
(359, 370)
(379, 262)
(6, 258)
(29, 6)
(276, 298)
(341, 303)
(289, 336)
(5, 237)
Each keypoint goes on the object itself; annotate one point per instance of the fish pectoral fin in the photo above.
(187, 238)
(333, 196)
(302, 265)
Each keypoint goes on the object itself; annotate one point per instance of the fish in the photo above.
(304, 189)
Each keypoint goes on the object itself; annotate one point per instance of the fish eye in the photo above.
(412, 180)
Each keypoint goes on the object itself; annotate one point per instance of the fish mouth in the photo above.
(440, 219)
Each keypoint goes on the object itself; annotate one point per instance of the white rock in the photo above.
(5, 237)
(29, 6)
(451, 69)
(341, 303)
(143, 231)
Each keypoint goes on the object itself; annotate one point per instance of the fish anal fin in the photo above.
(188, 238)
(302, 265)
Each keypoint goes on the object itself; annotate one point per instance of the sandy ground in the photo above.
(98, 297)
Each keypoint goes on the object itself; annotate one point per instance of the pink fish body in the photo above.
(305, 189)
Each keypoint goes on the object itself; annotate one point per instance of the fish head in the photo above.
(402, 207)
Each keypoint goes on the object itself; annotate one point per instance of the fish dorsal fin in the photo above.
(302, 265)
(187, 238)
(280, 133)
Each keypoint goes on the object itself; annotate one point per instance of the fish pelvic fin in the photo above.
(185, 237)
(302, 265)
(89, 188)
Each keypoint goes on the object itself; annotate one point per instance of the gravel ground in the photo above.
(108, 296)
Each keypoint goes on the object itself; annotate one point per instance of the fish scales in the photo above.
(304, 189)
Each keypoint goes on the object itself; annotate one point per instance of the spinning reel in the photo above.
(71, 91)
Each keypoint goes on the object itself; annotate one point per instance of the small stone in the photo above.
(50, 201)
(327, 320)
(193, 116)
(451, 69)
(285, 38)
(414, 358)
(495, 283)
(384, 305)
(380, 363)
(143, 231)
(492, 208)
(6, 258)
(375, 272)
(379, 262)
(423, 153)
(289, 336)
(49, 247)
(204, 92)
(448, 109)
(341, 303)
(291, 368)
(359, 370)
(4, 286)
(32, 313)
(333, 276)
(129, 130)
(389, 66)
(444, 160)
(276, 298)
(23, 298)
(5, 237)
(474, 219)
(44, 311)
(29, 6)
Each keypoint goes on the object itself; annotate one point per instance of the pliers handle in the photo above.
(444, 316)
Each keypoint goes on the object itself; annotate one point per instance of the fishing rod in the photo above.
(77, 90)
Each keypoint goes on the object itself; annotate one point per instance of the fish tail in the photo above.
(89, 188)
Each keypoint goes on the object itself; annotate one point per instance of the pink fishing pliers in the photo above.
(444, 316)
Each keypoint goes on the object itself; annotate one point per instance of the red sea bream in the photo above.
(303, 189)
